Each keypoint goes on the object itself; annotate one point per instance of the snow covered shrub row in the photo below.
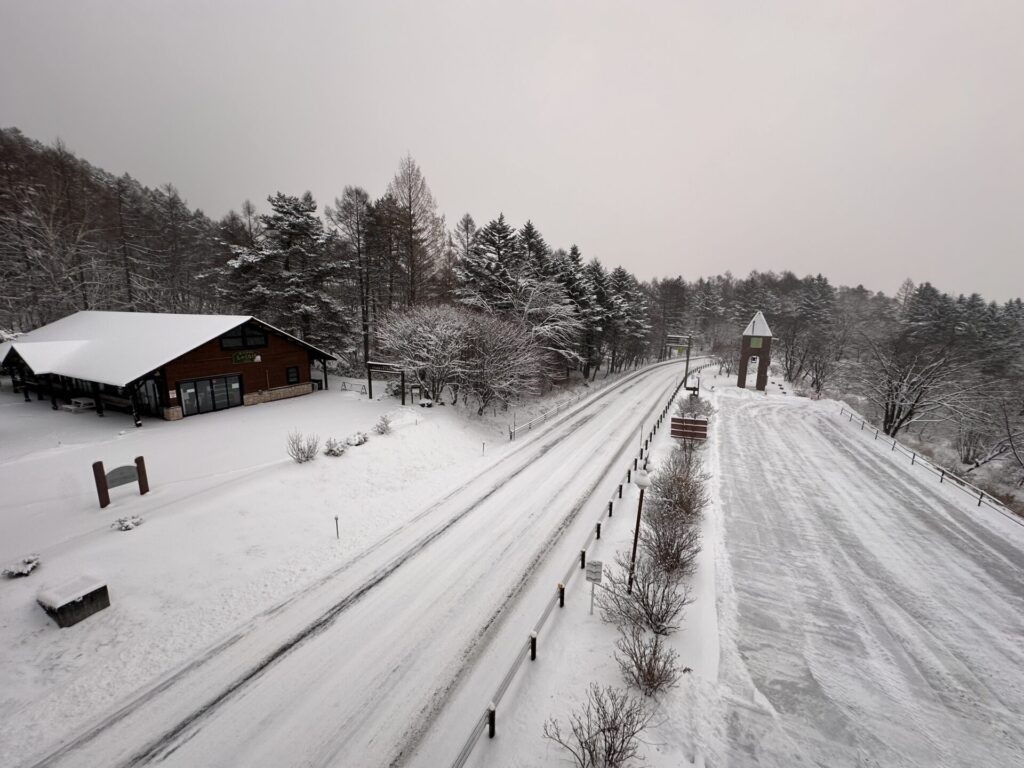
(23, 567)
(302, 448)
(129, 523)
(383, 425)
(334, 447)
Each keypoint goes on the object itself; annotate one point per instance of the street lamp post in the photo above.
(643, 482)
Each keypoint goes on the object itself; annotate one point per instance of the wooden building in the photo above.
(163, 365)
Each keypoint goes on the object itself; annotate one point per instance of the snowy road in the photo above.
(875, 617)
(352, 670)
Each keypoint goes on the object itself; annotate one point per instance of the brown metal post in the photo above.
(140, 465)
(403, 386)
(599, 531)
(561, 595)
(533, 646)
(101, 484)
(583, 559)
(369, 381)
(609, 509)
(490, 721)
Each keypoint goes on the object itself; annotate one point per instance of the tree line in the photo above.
(370, 273)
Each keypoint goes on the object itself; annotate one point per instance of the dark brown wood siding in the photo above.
(270, 372)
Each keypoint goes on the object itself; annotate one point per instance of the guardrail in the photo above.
(488, 718)
(515, 429)
(917, 460)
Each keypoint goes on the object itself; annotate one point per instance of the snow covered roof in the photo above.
(68, 591)
(758, 326)
(117, 348)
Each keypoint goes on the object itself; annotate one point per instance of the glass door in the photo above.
(204, 394)
(189, 403)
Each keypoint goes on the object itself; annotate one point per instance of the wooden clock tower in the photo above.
(757, 346)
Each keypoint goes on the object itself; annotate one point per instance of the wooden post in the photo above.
(609, 509)
(981, 496)
(620, 490)
(490, 720)
(583, 559)
(533, 646)
(140, 466)
(561, 595)
(101, 484)
(369, 381)
(598, 531)
(403, 386)
(98, 398)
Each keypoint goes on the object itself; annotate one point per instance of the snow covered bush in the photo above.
(654, 602)
(357, 438)
(604, 730)
(680, 482)
(302, 448)
(695, 406)
(670, 539)
(334, 447)
(23, 567)
(383, 425)
(129, 523)
(646, 662)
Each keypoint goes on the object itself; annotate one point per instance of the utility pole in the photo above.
(689, 342)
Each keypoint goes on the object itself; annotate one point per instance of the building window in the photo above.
(293, 374)
(244, 337)
(755, 342)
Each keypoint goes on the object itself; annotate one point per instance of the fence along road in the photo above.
(353, 670)
(943, 474)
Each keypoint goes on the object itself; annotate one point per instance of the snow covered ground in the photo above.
(875, 616)
(338, 653)
(232, 526)
(850, 612)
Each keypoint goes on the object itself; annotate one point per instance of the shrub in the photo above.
(334, 447)
(604, 730)
(695, 406)
(23, 567)
(129, 523)
(655, 601)
(681, 484)
(302, 448)
(383, 425)
(358, 438)
(646, 662)
(670, 539)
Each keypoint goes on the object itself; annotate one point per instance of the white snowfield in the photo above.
(868, 615)
(354, 667)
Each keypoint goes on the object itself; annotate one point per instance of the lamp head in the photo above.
(642, 479)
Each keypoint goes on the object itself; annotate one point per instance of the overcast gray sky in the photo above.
(870, 141)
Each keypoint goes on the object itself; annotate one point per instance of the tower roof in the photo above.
(758, 327)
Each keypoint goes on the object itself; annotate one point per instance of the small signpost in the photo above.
(594, 571)
(119, 476)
